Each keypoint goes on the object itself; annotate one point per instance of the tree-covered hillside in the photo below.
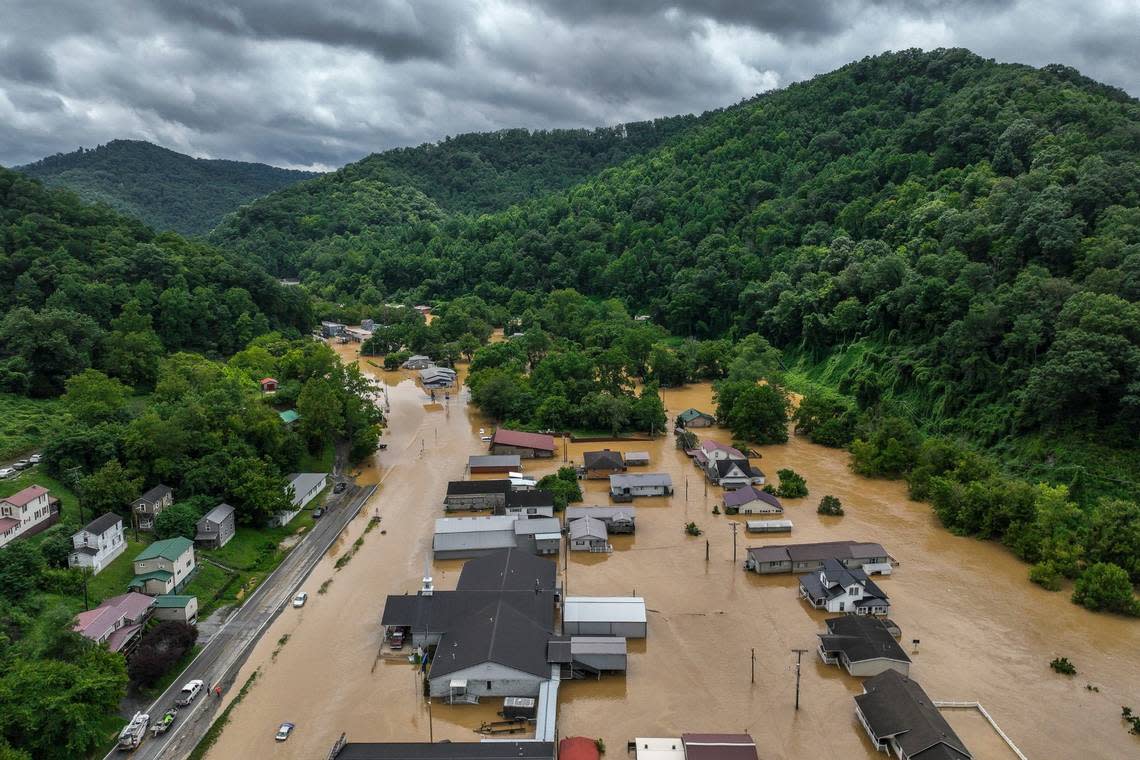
(84, 287)
(392, 192)
(165, 189)
(965, 233)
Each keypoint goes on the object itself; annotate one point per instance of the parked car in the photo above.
(339, 487)
(7, 472)
(486, 438)
(36, 458)
(300, 599)
(22, 464)
(189, 692)
(283, 731)
(318, 513)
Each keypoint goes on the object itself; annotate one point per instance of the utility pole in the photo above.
(799, 656)
(706, 550)
(735, 525)
(753, 664)
(431, 732)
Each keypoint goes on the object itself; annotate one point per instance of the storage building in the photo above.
(604, 616)
(473, 495)
(493, 463)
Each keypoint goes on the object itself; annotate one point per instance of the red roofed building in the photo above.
(268, 384)
(117, 622)
(26, 513)
(526, 445)
(719, 747)
(578, 748)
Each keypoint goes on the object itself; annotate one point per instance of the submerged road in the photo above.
(220, 659)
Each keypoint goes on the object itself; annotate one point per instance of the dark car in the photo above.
(339, 487)
(317, 513)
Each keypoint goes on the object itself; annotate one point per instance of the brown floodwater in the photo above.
(986, 633)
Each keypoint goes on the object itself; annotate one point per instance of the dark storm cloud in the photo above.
(309, 83)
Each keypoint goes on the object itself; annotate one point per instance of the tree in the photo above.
(109, 489)
(21, 568)
(158, 650)
(179, 519)
(792, 485)
(57, 710)
(53, 344)
(760, 414)
(55, 545)
(1105, 586)
(132, 349)
(828, 505)
(563, 485)
(321, 410)
(92, 398)
(648, 412)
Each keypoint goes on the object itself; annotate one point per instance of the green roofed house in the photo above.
(695, 418)
(164, 567)
(180, 607)
(289, 416)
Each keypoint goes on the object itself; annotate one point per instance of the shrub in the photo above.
(792, 485)
(830, 505)
(563, 485)
(1046, 575)
(1063, 666)
(1106, 586)
(692, 529)
(158, 651)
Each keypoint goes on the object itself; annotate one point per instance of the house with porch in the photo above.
(836, 588)
(863, 645)
(731, 474)
(902, 720)
(302, 488)
(626, 487)
(602, 464)
(616, 519)
(148, 506)
(750, 500)
(164, 567)
(216, 527)
(100, 541)
(588, 534)
(117, 622)
(26, 513)
(798, 558)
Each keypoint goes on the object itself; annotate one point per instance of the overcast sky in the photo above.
(319, 83)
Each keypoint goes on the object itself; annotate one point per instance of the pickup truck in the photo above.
(189, 692)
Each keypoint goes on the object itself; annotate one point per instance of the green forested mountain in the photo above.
(167, 190)
(84, 287)
(948, 230)
(391, 193)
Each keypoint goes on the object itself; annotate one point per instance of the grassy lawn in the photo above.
(322, 461)
(68, 503)
(115, 576)
(23, 424)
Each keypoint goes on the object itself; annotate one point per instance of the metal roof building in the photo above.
(659, 748)
(494, 463)
(604, 616)
(460, 537)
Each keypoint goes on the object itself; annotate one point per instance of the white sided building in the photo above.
(100, 541)
(604, 616)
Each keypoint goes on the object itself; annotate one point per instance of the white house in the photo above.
(750, 500)
(731, 473)
(625, 487)
(302, 488)
(836, 588)
(588, 534)
(26, 513)
(100, 541)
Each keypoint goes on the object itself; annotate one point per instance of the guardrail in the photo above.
(985, 714)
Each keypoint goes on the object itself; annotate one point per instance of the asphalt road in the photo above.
(220, 659)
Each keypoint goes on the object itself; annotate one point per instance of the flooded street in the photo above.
(986, 633)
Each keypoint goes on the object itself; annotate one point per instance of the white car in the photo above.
(7, 472)
(189, 692)
(22, 464)
(486, 438)
(283, 731)
(36, 458)
(300, 599)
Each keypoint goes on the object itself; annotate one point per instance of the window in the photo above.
(488, 686)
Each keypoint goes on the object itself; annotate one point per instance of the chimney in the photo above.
(427, 587)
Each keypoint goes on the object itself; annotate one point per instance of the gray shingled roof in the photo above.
(496, 633)
(603, 460)
(102, 524)
(469, 487)
(895, 705)
(861, 638)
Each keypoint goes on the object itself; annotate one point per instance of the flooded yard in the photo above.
(986, 634)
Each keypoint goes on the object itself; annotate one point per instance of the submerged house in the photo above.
(626, 487)
(475, 495)
(719, 747)
(602, 464)
(616, 519)
(528, 504)
(588, 534)
(418, 361)
(904, 722)
(526, 445)
(538, 535)
(836, 588)
(791, 558)
(751, 500)
(484, 750)
(863, 645)
(732, 473)
(438, 377)
(695, 418)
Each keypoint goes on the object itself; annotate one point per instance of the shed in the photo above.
(598, 654)
(637, 459)
(588, 534)
(494, 463)
(604, 616)
(769, 526)
(180, 607)
(658, 748)
(719, 747)
(268, 384)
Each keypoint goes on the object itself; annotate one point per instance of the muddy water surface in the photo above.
(986, 633)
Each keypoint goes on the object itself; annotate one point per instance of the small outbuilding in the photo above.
(268, 384)
(182, 608)
(540, 535)
(695, 418)
(418, 361)
(604, 616)
(719, 747)
(637, 459)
